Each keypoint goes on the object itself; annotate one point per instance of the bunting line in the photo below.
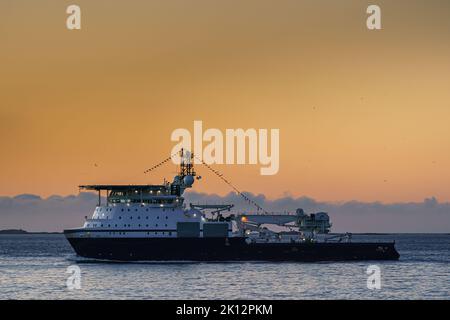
(217, 173)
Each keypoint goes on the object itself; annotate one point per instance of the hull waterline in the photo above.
(226, 249)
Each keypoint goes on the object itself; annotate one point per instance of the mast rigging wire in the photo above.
(218, 174)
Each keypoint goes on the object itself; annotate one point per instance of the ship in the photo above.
(153, 223)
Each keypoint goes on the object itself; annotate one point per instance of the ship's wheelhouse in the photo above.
(153, 195)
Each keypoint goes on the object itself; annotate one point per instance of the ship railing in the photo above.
(97, 220)
(260, 213)
(276, 240)
(339, 238)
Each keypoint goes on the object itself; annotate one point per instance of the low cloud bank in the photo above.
(33, 213)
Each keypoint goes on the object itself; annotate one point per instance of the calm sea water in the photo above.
(34, 267)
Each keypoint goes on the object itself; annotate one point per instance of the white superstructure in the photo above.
(159, 211)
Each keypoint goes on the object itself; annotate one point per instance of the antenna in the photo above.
(187, 169)
(186, 163)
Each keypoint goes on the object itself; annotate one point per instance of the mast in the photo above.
(186, 164)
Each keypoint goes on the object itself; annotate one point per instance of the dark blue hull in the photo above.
(226, 249)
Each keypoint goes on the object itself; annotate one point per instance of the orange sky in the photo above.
(362, 114)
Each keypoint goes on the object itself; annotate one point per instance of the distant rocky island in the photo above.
(20, 231)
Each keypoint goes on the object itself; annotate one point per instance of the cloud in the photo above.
(27, 197)
(352, 216)
(55, 213)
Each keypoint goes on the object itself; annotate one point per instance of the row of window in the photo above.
(164, 209)
(146, 209)
(131, 217)
(148, 233)
(146, 201)
(125, 225)
(125, 193)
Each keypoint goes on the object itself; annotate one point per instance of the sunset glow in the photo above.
(362, 115)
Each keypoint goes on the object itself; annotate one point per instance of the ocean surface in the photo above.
(35, 267)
